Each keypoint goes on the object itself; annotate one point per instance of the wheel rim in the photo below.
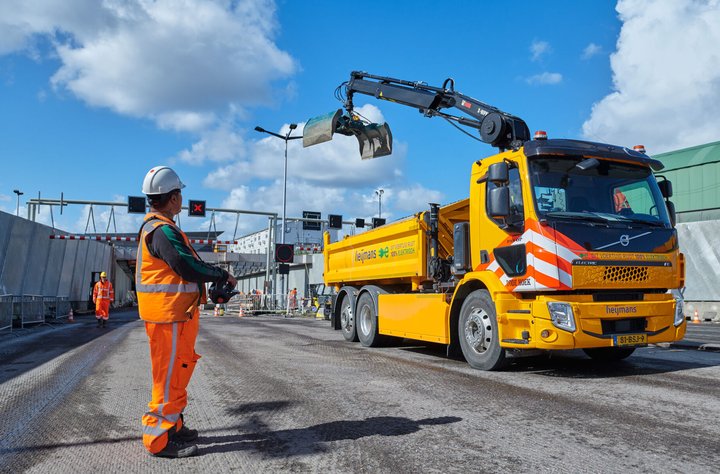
(346, 318)
(478, 331)
(365, 320)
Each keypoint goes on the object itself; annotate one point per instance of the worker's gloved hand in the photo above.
(222, 293)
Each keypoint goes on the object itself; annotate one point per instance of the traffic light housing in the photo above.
(284, 253)
(334, 221)
(196, 208)
(284, 269)
(136, 205)
(377, 222)
(360, 223)
(311, 225)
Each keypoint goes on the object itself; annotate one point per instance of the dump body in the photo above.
(393, 254)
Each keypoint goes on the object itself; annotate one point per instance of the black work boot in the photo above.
(98, 322)
(186, 434)
(177, 449)
(104, 323)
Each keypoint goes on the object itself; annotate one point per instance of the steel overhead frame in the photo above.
(33, 206)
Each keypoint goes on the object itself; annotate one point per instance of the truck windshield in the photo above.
(604, 190)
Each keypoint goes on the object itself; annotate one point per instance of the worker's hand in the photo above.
(231, 279)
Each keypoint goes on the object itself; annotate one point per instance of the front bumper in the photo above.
(528, 325)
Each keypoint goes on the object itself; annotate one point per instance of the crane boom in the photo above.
(496, 127)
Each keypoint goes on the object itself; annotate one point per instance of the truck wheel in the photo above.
(609, 354)
(367, 322)
(478, 332)
(347, 320)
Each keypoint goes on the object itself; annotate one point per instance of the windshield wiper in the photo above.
(643, 221)
(584, 216)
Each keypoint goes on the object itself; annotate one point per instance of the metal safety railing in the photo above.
(6, 312)
(62, 308)
(247, 304)
(32, 310)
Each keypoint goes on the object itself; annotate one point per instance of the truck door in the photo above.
(526, 259)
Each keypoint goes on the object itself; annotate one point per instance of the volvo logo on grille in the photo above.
(624, 240)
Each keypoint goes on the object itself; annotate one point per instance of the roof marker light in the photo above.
(639, 148)
(540, 135)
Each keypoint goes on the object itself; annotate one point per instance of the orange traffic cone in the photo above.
(215, 313)
(696, 317)
(71, 317)
(241, 313)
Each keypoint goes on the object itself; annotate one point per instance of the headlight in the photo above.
(679, 315)
(562, 317)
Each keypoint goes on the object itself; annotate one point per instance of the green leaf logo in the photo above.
(384, 252)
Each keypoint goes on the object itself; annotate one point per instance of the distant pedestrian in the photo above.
(170, 279)
(293, 299)
(103, 294)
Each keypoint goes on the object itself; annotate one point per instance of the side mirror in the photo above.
(665, 188)
(498, 173)
(499, 205)
(671, 211)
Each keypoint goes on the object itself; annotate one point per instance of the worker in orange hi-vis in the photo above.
(293, 299)
(621, 201)
(169, 281)
(103, 294)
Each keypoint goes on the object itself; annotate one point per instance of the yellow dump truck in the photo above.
(562, 244)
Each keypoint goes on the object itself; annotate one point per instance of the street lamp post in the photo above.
(285, 138)
(19, 193)
(379, 193)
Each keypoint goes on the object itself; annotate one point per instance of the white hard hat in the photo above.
(161, 180)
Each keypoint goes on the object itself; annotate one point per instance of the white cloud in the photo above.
(332, 164)
(221, 144)
(180, 63)
(414, 198)
(539, 49)
(666, 75)
(546, 78)
(591, 50)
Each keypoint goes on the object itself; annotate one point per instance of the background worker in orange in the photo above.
(169, 282)
(103, 294)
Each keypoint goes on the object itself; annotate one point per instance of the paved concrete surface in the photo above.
(290, 395)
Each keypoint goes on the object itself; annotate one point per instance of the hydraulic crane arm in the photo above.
(496, 127)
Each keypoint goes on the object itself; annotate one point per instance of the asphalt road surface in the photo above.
(272, 394)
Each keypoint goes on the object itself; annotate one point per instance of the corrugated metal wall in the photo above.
(700, 242)
(32, 264)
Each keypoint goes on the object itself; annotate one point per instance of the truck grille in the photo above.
(626, 274)
(623, 326)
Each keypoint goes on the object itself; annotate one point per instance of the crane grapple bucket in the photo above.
(320, 129)
(374, 140)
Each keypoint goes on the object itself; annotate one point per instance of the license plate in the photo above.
(630, 340)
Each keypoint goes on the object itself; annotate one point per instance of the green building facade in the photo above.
(695, 175)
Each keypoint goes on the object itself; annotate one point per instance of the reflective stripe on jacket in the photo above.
(163, 296)
(103, 292)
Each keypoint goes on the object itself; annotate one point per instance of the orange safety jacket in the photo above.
(163, 296)
(103, 291)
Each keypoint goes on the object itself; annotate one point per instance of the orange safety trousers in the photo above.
(173, 359)
(102, 308)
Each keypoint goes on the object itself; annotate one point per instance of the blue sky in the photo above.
(95, 93)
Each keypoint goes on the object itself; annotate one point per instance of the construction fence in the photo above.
(17, 311)
(254, 304)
